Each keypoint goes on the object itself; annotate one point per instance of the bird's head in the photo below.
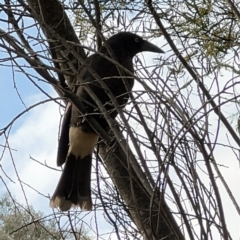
(131, 44)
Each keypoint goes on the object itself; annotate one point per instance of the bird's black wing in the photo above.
(64, 136)
(63, 143)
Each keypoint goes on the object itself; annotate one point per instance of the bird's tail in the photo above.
(74, 185)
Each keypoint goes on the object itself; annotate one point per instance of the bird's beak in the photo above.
(149, 47)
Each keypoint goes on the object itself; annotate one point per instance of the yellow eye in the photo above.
(136, 39)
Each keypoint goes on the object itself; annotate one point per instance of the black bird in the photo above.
(77, 139)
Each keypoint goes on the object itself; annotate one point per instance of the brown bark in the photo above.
(55, 25)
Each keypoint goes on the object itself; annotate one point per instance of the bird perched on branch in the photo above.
(78, 139)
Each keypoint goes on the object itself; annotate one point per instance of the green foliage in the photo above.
(208, 24)
(22, 223)
(18, 222)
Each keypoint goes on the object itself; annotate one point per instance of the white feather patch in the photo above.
(81, 143)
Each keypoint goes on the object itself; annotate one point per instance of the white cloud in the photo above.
(37, 136)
